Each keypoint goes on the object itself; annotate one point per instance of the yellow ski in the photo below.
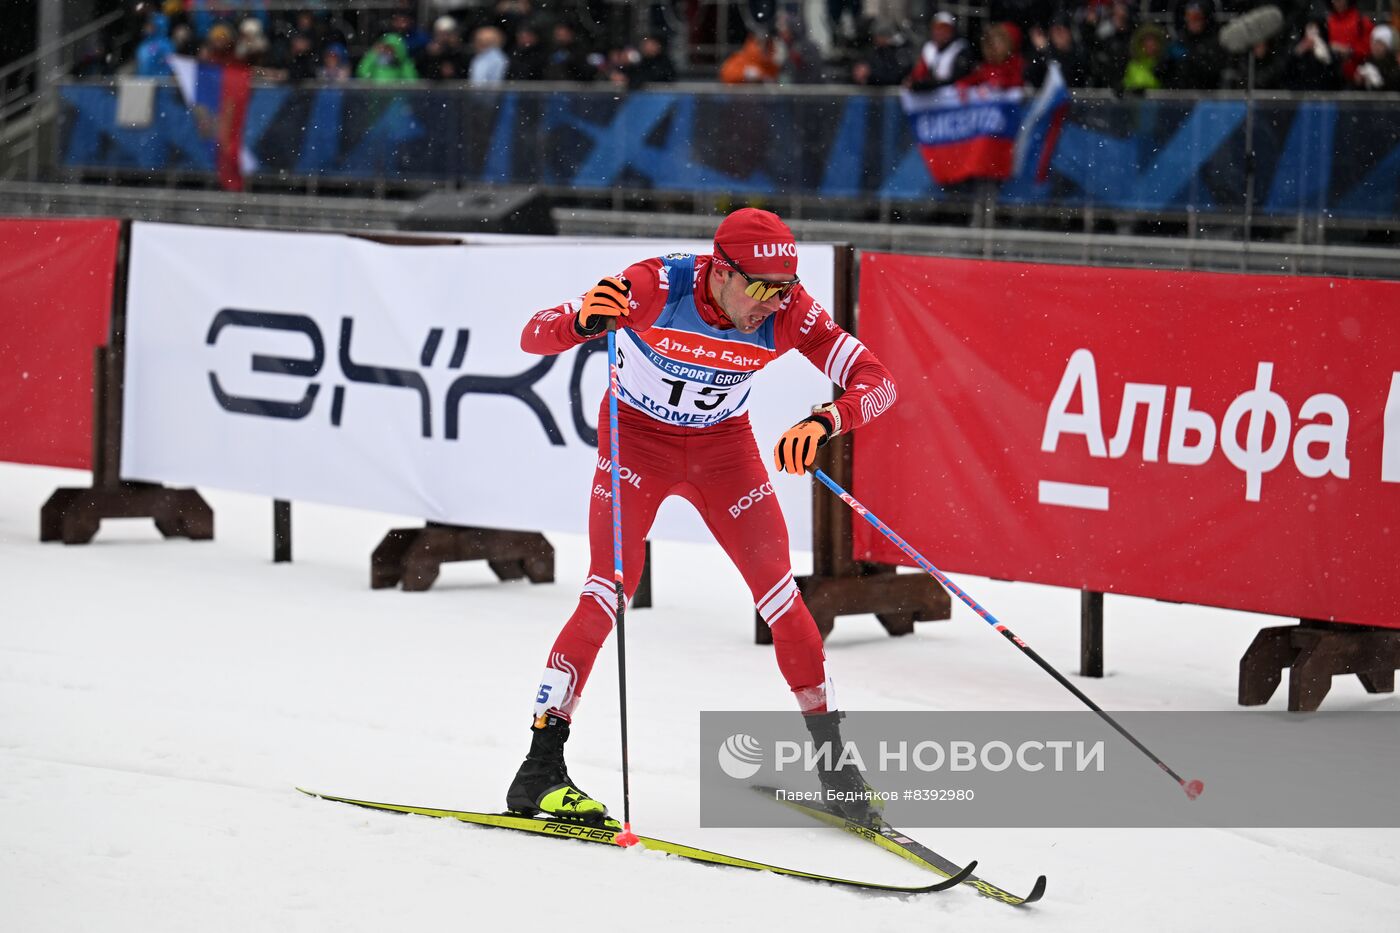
(606, 834)
(893, 840)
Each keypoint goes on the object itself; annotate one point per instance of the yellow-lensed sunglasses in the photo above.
(758, 289)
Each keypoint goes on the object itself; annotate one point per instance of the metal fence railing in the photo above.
(283, 211)
(22, 84)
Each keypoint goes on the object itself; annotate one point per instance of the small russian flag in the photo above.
(1040, 128)
(218, 96)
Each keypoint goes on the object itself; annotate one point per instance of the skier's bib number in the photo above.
(671, 397)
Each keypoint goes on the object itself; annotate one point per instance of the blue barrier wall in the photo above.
(1334, 156)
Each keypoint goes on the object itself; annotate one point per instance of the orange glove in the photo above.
(797, 448)
(608, 300)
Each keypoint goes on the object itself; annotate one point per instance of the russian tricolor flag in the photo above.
(965, 132)
(986, 132)
(1040, 128)
(218, 96)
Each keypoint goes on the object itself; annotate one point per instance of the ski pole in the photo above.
(1193, 788)
(626, 837)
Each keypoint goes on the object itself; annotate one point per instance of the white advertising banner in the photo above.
(335, 369)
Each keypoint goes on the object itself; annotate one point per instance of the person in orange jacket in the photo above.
(754, 63)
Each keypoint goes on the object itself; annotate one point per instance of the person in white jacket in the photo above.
(489, 62)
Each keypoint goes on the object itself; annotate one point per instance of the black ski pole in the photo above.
(626, 837)
(1193, 788)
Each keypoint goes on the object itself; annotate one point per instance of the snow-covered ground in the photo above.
(159, 700)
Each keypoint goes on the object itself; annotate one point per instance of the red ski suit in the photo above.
(678, 437)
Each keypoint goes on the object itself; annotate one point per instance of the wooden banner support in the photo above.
(73, 515)
(1315, 652)
(839, 584)
(413, 557)
(641, 599)
(281, 531)
(1090, 634)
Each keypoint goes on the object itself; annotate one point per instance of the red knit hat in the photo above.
(758, 241)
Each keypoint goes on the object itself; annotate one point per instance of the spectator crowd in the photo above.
(1325, 45)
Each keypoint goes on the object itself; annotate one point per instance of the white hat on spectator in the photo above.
(1384, 35)
(444, 24)
(250, 27)
(943, 16)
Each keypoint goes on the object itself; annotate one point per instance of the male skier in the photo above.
(691, 333)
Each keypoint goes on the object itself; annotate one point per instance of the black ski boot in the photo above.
(845, 791)
(543, 786)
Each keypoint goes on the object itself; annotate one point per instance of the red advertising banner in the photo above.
(55, 303)
(1228, 440)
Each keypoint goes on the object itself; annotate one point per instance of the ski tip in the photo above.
(1037, 892)
(955, 880)
(1194, 788)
